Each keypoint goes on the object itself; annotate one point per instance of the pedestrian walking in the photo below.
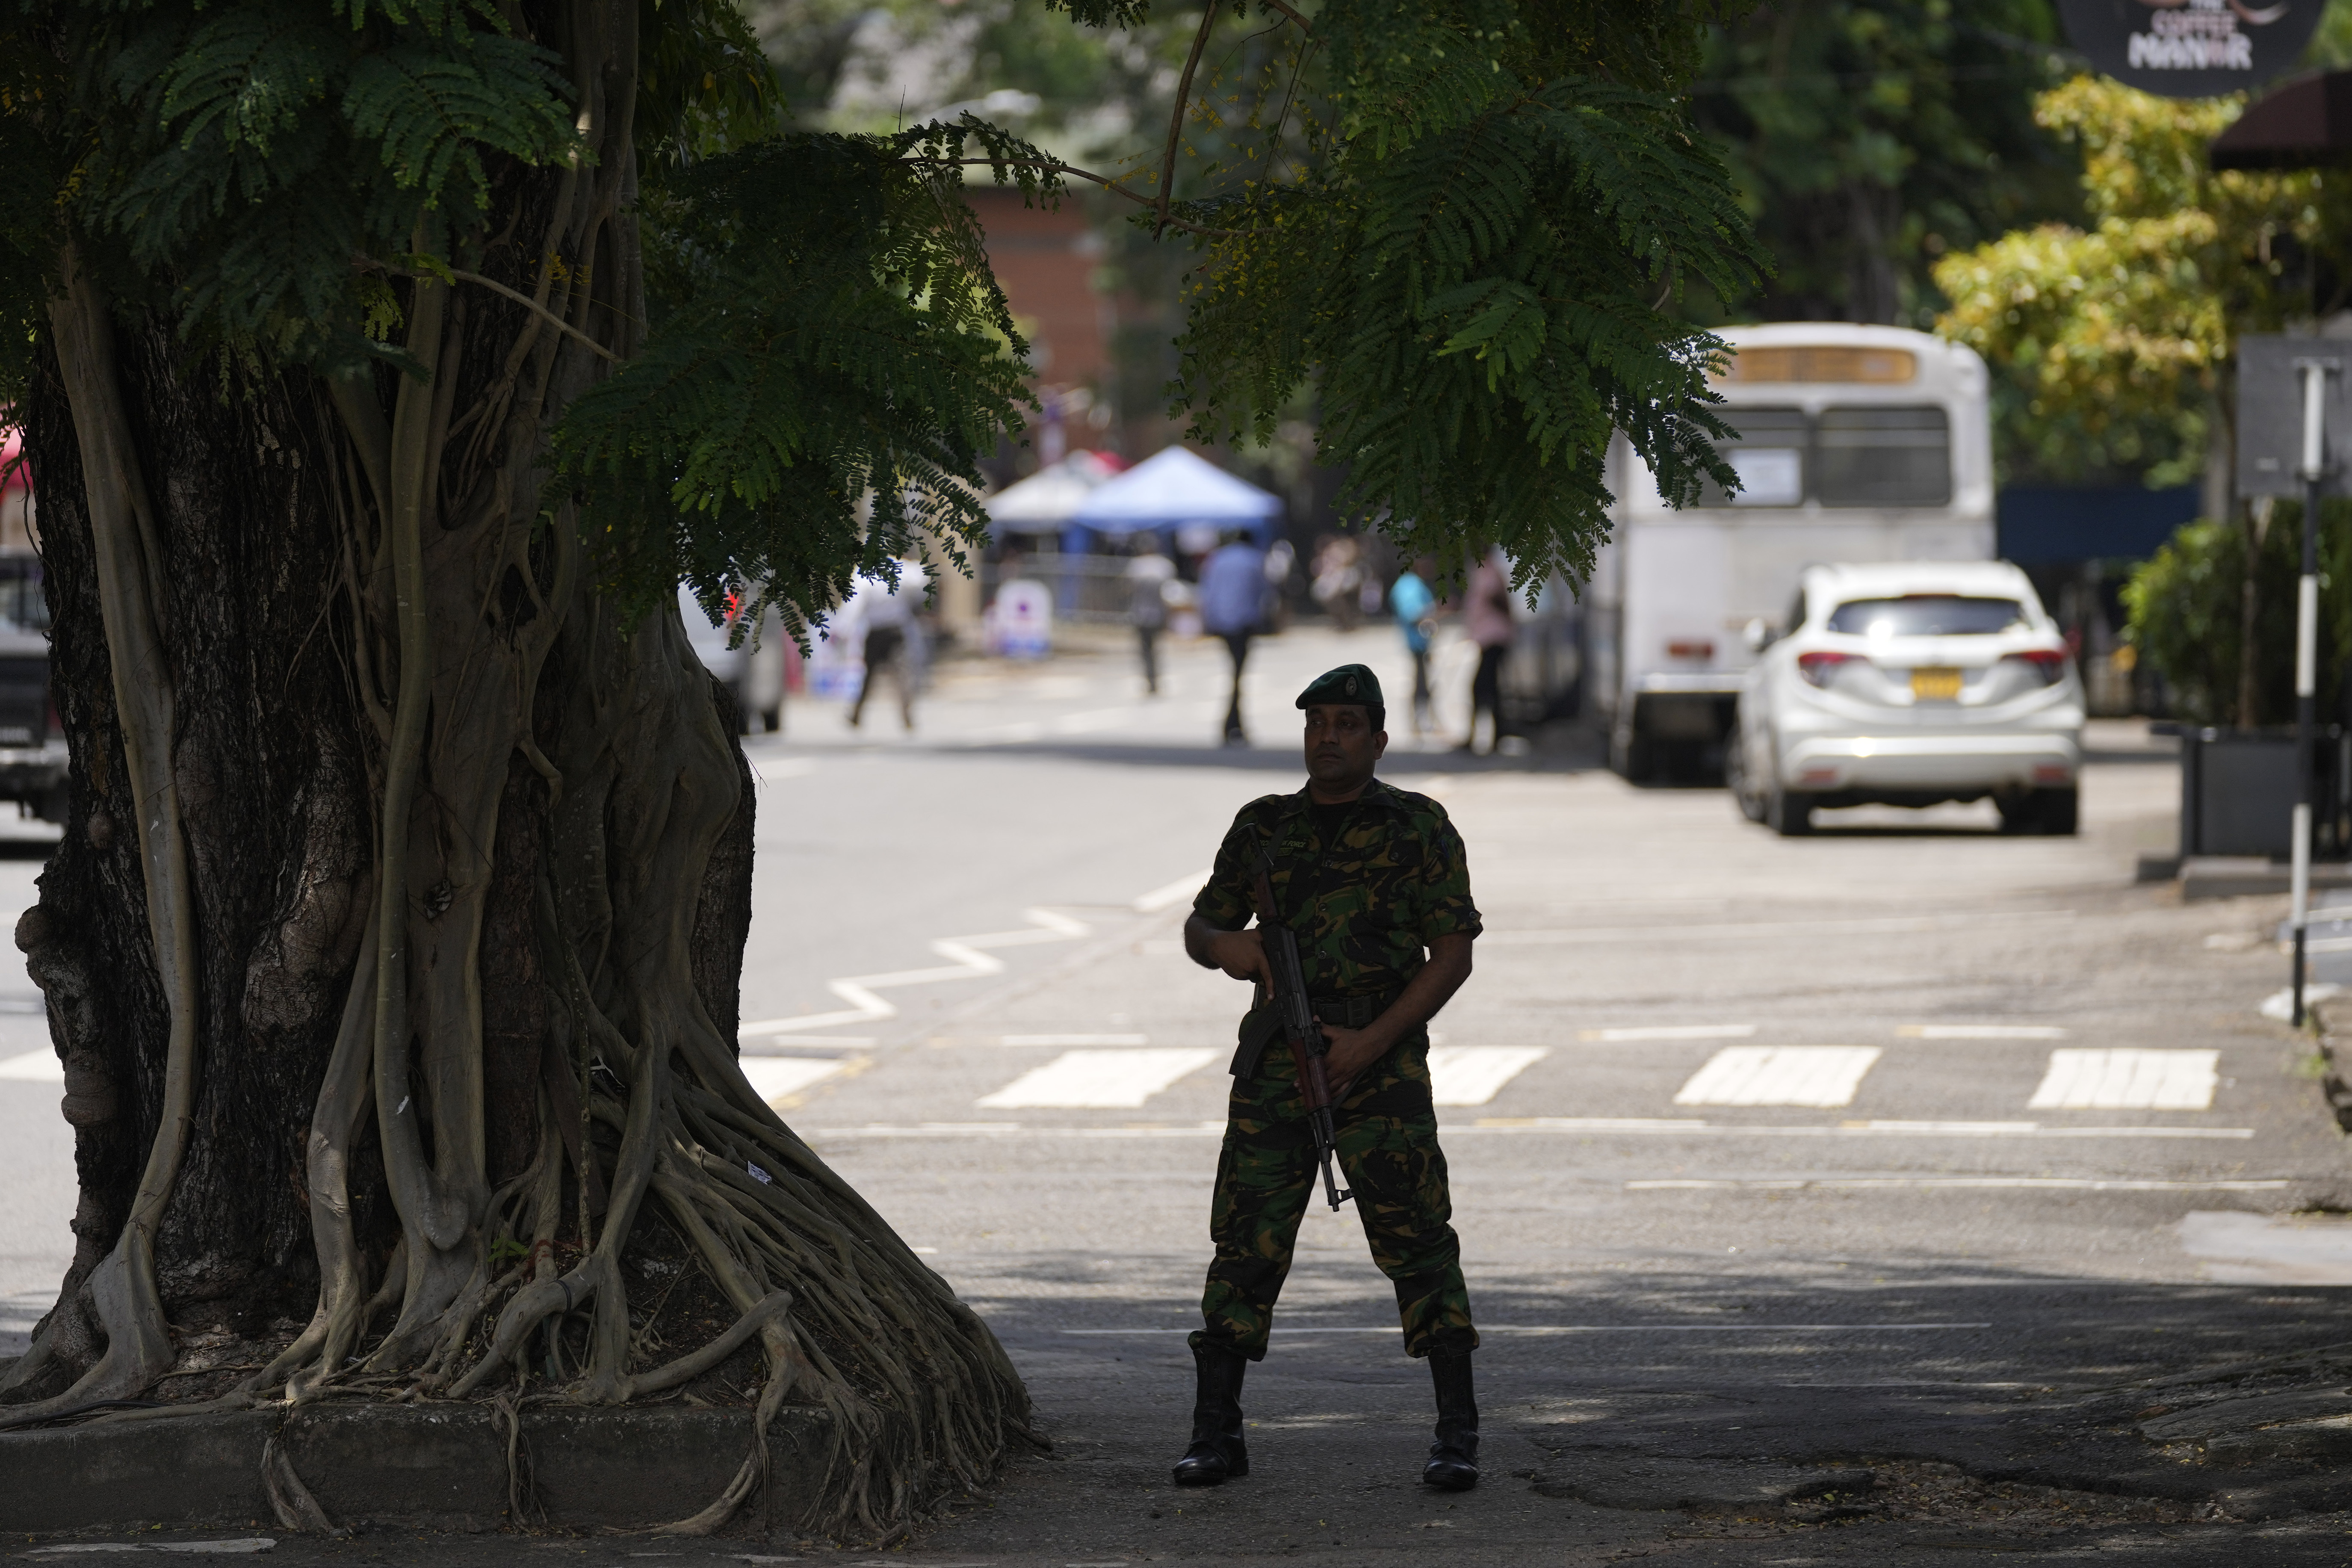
(883, 616)
(1234, 592)
(1412, 600)
(1370, 878)
(1148, 576)
(1486, 617)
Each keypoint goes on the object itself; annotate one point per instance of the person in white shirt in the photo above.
(884, 617)
(1148, 576)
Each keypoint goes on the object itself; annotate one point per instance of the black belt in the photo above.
(1349, 1012)
(1261, 1026)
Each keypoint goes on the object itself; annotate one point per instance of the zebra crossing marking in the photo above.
(1116, 1079)
(1472, 1075)
(2128, 1079)
(1824, 1077)
(1671, 1032)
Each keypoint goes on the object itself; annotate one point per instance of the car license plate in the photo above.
(1935, 683)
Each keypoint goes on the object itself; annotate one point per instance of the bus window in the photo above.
(1769, 456)
(1883, 457)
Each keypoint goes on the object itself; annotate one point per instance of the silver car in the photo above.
(1911, 683)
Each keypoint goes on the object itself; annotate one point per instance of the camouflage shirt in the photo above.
(1362, 907)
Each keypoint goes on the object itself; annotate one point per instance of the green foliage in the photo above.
(826, 329)
(2187, 610)
(2118, 336)
(1473, 276)
(1868, 137)
(1461, 226)
(232, 161)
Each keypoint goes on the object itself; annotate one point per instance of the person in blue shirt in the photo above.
(1413, 600)
(1233, 607)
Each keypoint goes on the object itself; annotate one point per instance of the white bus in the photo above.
(1856, 443)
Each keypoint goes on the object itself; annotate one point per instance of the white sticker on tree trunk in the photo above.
(1821, 1075)
(1472, 1075)
(2128, 1080)
(1098, 1080)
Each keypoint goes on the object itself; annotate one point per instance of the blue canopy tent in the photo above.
(1170, 489)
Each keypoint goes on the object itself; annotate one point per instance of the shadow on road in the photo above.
(1995, 1383)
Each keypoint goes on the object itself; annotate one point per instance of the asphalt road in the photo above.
(2043, 1142)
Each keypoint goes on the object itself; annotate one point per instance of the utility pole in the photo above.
(2313, 470)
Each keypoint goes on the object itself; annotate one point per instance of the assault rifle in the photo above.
(1299, 1026)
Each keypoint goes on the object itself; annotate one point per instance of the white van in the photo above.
(1856, 443)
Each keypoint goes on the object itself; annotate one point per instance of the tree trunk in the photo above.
(394, 942)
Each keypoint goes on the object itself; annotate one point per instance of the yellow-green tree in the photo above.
(2116, 342)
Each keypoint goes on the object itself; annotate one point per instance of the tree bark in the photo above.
(415, 1068)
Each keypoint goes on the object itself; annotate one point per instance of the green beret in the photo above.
(1348, 683)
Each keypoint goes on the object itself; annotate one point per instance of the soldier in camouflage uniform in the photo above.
(1369, 878)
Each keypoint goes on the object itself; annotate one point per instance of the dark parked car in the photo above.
(32, 746)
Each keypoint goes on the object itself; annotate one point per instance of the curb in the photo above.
(387, 1463)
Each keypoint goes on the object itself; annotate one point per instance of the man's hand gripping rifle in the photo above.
(1299, 1026)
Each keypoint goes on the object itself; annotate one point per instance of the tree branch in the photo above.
(525, 301)
(1278, 5)
(1176, 117)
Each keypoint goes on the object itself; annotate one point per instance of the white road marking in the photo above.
(759, 1044)
(1980, 1032)
(782, 769)
(1582, 1126)
(2128, 1080)
(1017, 1130)
(1172, 894)
(1584, 1328)
(1074, 1040)
(970, 957)
(1078, 1081)
(2062, 1183)
(1673, 1032)
(1822, 1075)
(1676, 1125)
(1472, 1074)
(2279, 1005)
(35, 1067)
(246, 1545)
(1662, 935)
(1181, 890)
(773, 1077)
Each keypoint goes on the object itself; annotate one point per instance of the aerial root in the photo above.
(290, 1500)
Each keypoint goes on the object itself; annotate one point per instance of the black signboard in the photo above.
(2191, 48)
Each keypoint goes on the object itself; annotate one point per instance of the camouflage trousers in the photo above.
(1266, 1171)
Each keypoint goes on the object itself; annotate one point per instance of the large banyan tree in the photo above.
(386, 367)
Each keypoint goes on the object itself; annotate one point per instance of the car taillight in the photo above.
(1818, 667)
(2049, 663)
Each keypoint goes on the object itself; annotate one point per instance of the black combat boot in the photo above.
(1453, 1458)
(1217, 1453)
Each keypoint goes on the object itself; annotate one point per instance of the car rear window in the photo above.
(1926, 616)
